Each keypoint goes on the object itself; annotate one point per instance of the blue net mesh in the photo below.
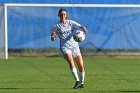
(109, 28)
(2, 35)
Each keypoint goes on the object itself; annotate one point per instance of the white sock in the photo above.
(74, 73)
(82, 77)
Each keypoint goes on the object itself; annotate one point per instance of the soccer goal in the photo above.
(25, 28)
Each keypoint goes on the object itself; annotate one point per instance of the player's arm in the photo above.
(53, 33)
(53, 36)
(84, 29)
(75, 25)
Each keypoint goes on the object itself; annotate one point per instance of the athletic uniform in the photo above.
(65, 34)
(69, 45)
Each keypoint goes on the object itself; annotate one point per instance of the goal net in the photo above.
(2, 34)
(112, 28)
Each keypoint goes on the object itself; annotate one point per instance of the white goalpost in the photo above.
(6, 6)
(6, 31)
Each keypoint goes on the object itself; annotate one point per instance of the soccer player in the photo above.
(69, 47)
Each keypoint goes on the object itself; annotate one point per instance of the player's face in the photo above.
(63, 15)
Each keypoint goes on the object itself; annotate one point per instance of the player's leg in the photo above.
(70, 60)
(79, 61)
(67, 54)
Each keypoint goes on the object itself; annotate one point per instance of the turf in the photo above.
(52, 75)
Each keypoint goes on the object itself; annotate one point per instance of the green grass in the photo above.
(52, 75)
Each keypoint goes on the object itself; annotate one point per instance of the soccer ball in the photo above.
(79, 36)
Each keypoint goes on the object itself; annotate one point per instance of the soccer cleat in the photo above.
(82, 86)
(76, 85)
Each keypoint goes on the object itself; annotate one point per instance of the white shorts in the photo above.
(75, 51)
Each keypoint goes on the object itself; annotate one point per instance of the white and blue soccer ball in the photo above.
(79, 36)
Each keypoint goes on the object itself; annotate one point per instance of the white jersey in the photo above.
(65, 33)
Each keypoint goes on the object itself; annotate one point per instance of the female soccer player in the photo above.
(68, 46)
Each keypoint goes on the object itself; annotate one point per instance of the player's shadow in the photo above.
(129, 91)
(27, 88)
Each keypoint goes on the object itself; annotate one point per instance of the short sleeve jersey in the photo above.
(65, 33)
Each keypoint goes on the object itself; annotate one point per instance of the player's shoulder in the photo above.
(56, 25)
(71, 21)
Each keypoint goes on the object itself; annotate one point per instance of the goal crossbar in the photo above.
(77, 5)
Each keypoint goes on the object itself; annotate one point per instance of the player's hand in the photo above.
(53, 36)
(86, 31)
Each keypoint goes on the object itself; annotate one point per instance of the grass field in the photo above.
(52, 75)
